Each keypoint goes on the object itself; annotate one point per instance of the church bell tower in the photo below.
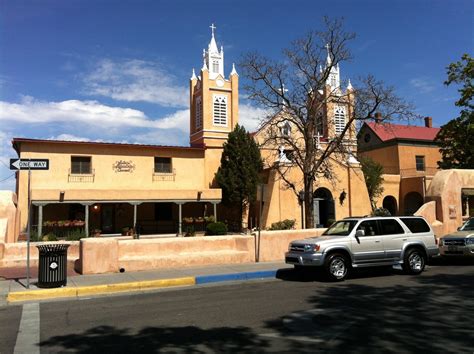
(214, 100)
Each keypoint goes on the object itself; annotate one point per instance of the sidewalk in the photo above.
(14, 289)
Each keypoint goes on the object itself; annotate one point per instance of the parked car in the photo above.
(460, 243)
(367, 242)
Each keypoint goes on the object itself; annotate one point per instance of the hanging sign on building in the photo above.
(123, 166)
(29, 164)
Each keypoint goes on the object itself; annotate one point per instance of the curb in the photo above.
(44, 294)
(204, 279)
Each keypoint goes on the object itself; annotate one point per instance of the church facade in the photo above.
(164, 189)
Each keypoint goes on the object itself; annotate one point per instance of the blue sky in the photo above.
(119, 70)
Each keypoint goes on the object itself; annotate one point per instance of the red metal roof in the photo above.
(388, 131)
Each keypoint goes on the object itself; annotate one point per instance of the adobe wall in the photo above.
(9, 217)
(14, 254)
(445, 193)
(274, 244)
(97, 255)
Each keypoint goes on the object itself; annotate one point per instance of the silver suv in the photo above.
(367, 242)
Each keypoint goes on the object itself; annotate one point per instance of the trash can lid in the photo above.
(53, 247)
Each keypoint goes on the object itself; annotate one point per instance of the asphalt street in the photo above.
(380, 311)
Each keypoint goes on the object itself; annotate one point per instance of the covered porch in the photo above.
(117, 216)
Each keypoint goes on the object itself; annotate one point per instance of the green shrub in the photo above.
(381, 212)
(75, 235)
(286, 224)
(209, 219)
(50, 237)
(216, 228)
(330, 222)
(189, 230)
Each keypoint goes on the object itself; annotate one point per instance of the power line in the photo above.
(3, 180)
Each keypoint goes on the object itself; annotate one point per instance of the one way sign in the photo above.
(29, 164)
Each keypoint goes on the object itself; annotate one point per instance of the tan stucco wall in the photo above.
(9, 217)
(192, 174)
(445, 191)
(391, 187)
(407, 156)
(109, 254)
(14, 254)
(274, 244)
(281, 203)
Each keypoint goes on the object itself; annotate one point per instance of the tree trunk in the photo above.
(308, 202)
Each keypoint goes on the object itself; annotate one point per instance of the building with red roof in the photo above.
(409, 156)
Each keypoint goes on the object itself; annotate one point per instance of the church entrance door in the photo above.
(323, 208)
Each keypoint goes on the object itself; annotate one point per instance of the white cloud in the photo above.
(7, 177)
(80, 113)
(251, 117)
(423, 84)
(136, 81)
(68, 137)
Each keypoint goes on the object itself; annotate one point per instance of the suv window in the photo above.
(416, 225)
(370, 227)
(341, 228)
(391, 227)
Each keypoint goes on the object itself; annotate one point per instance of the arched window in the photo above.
(339, 119)
(320, 124)
(220, 110)
(285, 130)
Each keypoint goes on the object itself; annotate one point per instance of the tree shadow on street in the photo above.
(190, 339)
(427, 313)
(310, 274)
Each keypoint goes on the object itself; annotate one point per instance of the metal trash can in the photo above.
(52, 265)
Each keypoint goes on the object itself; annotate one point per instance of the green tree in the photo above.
(373, 172)
(238, 175)
(456, 138)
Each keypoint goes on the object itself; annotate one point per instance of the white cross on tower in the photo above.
(212, 27)
(318, 140)
(282, 91)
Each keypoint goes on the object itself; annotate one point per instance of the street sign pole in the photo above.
(29, 164)
(29, 231)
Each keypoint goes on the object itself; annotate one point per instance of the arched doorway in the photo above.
(412, 201)
(390, 203)
(323, 207)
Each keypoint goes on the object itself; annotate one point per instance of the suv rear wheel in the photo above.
(336, 267)
(414, 261)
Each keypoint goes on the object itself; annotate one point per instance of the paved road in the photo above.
(373, 312)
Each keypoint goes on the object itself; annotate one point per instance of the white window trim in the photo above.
(217, 121)
(338, 119)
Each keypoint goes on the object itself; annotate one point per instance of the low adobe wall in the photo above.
(274, 244)
(97, 255)
(105, 255)
(14, 254)
(108, 255)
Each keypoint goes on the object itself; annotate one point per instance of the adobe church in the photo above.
(111, 186)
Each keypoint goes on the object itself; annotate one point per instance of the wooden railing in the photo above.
(81, 177)
(164, 176)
